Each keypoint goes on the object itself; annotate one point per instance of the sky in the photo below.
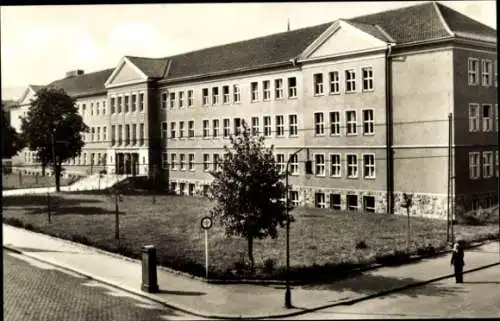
(39, 44)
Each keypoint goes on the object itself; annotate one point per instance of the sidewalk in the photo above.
(234, 301)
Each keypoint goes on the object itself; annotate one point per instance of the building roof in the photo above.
(86, 84)
(152, 67)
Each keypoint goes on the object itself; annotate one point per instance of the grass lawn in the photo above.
(318, 236)
(12, 181)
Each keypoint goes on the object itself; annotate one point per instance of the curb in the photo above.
(190, 311)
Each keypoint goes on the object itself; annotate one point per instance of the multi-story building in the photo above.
(368, 99)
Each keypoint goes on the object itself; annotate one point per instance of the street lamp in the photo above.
(288, 292)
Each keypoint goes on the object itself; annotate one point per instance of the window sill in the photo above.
(335, 135)
(368, 134)
(370, 178)
(293, 98)
(352, 177)
(334, 93)
(331, 176)
(319, 95)
(350, 92)
(368, 90)
(354, 134)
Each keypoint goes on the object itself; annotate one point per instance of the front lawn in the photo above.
(14, 181)
(318, 236)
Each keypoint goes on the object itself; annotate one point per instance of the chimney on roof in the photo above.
(74, 73)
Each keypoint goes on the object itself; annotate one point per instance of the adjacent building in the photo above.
(368, 99)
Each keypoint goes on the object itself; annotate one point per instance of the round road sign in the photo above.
(206, 223)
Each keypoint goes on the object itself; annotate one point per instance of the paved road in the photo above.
(38, 291)
(479, 296)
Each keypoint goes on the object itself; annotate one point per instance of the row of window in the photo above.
(351, 123)
(336, 201)
(350, 81)
(127, 134)
(487, 69)
(481, 117)
(475, 163)
(95, 108)
(127, 103)
(95, 134)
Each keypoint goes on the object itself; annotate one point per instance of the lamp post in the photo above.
(288, 292)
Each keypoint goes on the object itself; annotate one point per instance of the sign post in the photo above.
(206, 224)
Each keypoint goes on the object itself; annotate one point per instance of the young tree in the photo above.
(53, 128)
(408, 203)
(12, 142)
(248, 190)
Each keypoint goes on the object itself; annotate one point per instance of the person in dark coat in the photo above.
(457, 260)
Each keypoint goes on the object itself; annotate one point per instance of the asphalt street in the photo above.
(478, 296)
(40, 292)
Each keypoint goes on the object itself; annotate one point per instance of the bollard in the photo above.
(149, 274)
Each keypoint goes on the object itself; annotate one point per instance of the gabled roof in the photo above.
(36, 87)
(86, 84)
(253, 53)
(152, 67)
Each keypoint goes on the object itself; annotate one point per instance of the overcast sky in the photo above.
(41, 43)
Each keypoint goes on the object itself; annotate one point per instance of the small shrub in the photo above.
(13, 221)
(80, 239)
(269, 266)
(361, 245)
(29, 226)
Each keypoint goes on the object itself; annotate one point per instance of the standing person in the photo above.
(457, 260)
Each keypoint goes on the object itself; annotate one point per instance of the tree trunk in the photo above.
(43, 170)
(408, 237)
(250, 251)
(57, 173)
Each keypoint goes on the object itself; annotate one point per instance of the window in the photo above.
(182, 164)
(190, 94)
(92, 159)
(191, 162)
(255, 126)
(141, 133)
(369, 204)
(487, 164)
(335, 201)
(104, 107)
(205, 96)
(266, 84)
(112, 103)
(164, 160)
(473, 71)
(181, 129)
(292, 87)
(206, 128)
(474, 163)
(216, 162)
(319, 200)
(215, 95)
(182, 188)
(134, 103)
(487, 118)
(254, 91)
(127, 134)
(278, 88)
(352, 202)
(486, 72)
(367, 78)
(206, 162)
(134, 133)
(92, 134)
(191, 129)
(164, 129)
(350, 116)
(335, 166)
(172, 100)
(173, 160)
(352, 166)
(368, 123)
(173, 187)
(369, 166)
(191, 189)
(215, 128)
(267, 126)
(497, 169)
(119, 104)
(294, 198)
(206, 190)
(319, 124)
(280, 126)
(98, 134)
(236, 93)
(319, 161)
(181, 99)
(172, 129)
(473, 117)
(237, 123)
(227, 127)
(334, 82)
(91, 109)
(126, 100)
(280, 161)
(294, 165)
(225, 94)
(97, 108)
(496, 117)
(318, 84)
(105, 133)
(113, 137)
(334, 123)
(141, 102)
(350, 81)
(475, 204)
(495, 71)
(292, 125)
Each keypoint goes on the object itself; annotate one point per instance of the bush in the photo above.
(80, 239)
(13, 221)
(361, 245)
(269, 266)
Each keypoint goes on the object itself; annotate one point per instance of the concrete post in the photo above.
(149, 273)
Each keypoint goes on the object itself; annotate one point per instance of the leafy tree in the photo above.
(12, 142)
(248, 190)
(53, 129)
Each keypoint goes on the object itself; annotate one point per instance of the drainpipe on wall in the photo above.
(389, 131)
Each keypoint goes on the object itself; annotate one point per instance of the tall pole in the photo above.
(452, 177)
(288, 291)
(449, 180)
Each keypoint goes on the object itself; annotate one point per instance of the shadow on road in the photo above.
(182, 292)
(369, 284)
(481, 282)
(32, 249)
